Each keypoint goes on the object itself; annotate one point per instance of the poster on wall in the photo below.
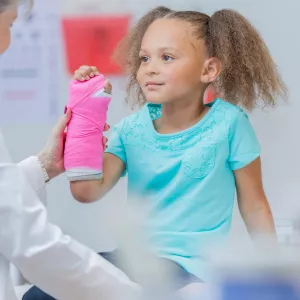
(91, 40)
(30, 70)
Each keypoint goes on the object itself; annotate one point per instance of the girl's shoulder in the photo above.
(224, 111)
(134, 120)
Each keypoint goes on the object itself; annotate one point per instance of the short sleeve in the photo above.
(115, 144)
(244, 145)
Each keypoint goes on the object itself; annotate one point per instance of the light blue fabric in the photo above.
(185, 179)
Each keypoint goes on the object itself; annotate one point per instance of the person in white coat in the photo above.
(45, 256)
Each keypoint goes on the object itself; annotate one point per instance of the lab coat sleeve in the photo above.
(53, 261)
(35, 176)
(34, 173)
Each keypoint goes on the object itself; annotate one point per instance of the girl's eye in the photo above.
(144, 59)
(167, 57)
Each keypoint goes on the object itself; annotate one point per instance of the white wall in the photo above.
(277, 130)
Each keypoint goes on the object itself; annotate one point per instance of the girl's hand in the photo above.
(85, 73)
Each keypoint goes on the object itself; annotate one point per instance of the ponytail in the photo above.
(248, 70)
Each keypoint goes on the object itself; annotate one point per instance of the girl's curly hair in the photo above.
(248, 75)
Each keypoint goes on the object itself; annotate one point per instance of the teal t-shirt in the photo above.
(185, 179)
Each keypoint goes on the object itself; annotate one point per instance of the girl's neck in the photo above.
(180, 115)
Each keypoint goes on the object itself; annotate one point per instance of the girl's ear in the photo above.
(211, 70)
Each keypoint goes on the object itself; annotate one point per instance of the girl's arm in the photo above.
(87, 191)
(252, 201)
(93, 190)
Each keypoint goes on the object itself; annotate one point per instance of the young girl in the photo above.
(185, 159)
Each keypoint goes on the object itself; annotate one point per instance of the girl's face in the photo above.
(174, 63)
(7, 17)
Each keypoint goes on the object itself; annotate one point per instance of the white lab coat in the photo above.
(53, 261)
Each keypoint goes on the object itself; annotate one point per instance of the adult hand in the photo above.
(52, 156)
